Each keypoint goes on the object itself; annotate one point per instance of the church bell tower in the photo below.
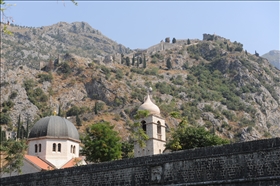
(154, 126)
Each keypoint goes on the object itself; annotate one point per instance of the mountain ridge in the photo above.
(273, 57)
(213, 82)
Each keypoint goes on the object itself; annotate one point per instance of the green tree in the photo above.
(27, 128)
(137, 63)
(59, 110)
(174, 40)
(5, 118)
(101, 143)
(133, 60)
(73, 111)
(78, 120)
(140, 60)
(127, 60)
(13, 151)
(168, 63)
(144, 62)
(127, 149)
(122, 59)
(2, 135)
(98, 106)
(4, 18)
(189, 42)
(18, 127)
(256, 53)
(137, 133)
(188, 137)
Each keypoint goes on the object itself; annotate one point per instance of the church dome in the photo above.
(150, 106)
(54, 127)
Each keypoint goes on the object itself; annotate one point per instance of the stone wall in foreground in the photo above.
(249, 163)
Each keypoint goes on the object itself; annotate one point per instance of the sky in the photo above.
(141, 24)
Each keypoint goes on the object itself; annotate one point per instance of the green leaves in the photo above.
(141, 114)
(75, 3)
(188, 137)
(101, 143)
(13, 152)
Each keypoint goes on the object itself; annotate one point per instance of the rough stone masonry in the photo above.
(248, 163)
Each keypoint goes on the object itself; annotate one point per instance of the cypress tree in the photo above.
(95, 108)
(189, 42)
(122, 58)
(137, 63)
(168, 63)
(78, 120)
(256, 53)
(133, 60)
(2, 135)
(27, 127)
(127, 60)
(18, 127)
(144, 62)
(22, 132)
(59, 110)
(140, 60)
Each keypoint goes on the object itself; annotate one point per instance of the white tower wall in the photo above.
(156, 131)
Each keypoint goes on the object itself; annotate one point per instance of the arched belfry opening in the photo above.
(144, 125)
(159, 130)
(154, 127)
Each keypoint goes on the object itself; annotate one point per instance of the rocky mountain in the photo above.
(212, 82)
(273, 57)
(35, 47)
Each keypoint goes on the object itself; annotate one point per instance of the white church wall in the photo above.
(54, 156)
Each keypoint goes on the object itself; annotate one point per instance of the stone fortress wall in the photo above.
(248, 163)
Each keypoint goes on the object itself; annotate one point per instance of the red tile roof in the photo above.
(38, 162)
(45, 166)
(73, 162)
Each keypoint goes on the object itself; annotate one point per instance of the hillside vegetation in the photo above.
(212, 82)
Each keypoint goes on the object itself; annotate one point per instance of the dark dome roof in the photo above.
(54, 126)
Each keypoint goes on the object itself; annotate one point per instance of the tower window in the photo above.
(74, 149)
(59, 147)
(40, 147)
(71, 150)
(36, 148)
(159, 130)
(144, 126)
(54, 147)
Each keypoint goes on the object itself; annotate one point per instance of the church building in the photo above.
(53, 143)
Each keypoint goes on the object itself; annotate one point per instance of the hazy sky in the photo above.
(141, 24)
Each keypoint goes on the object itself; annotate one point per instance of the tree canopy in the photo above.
(13, 153)
(188, 137)
(101, 143)
(136, 131)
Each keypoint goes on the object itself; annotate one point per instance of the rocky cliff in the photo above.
(212, 82)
